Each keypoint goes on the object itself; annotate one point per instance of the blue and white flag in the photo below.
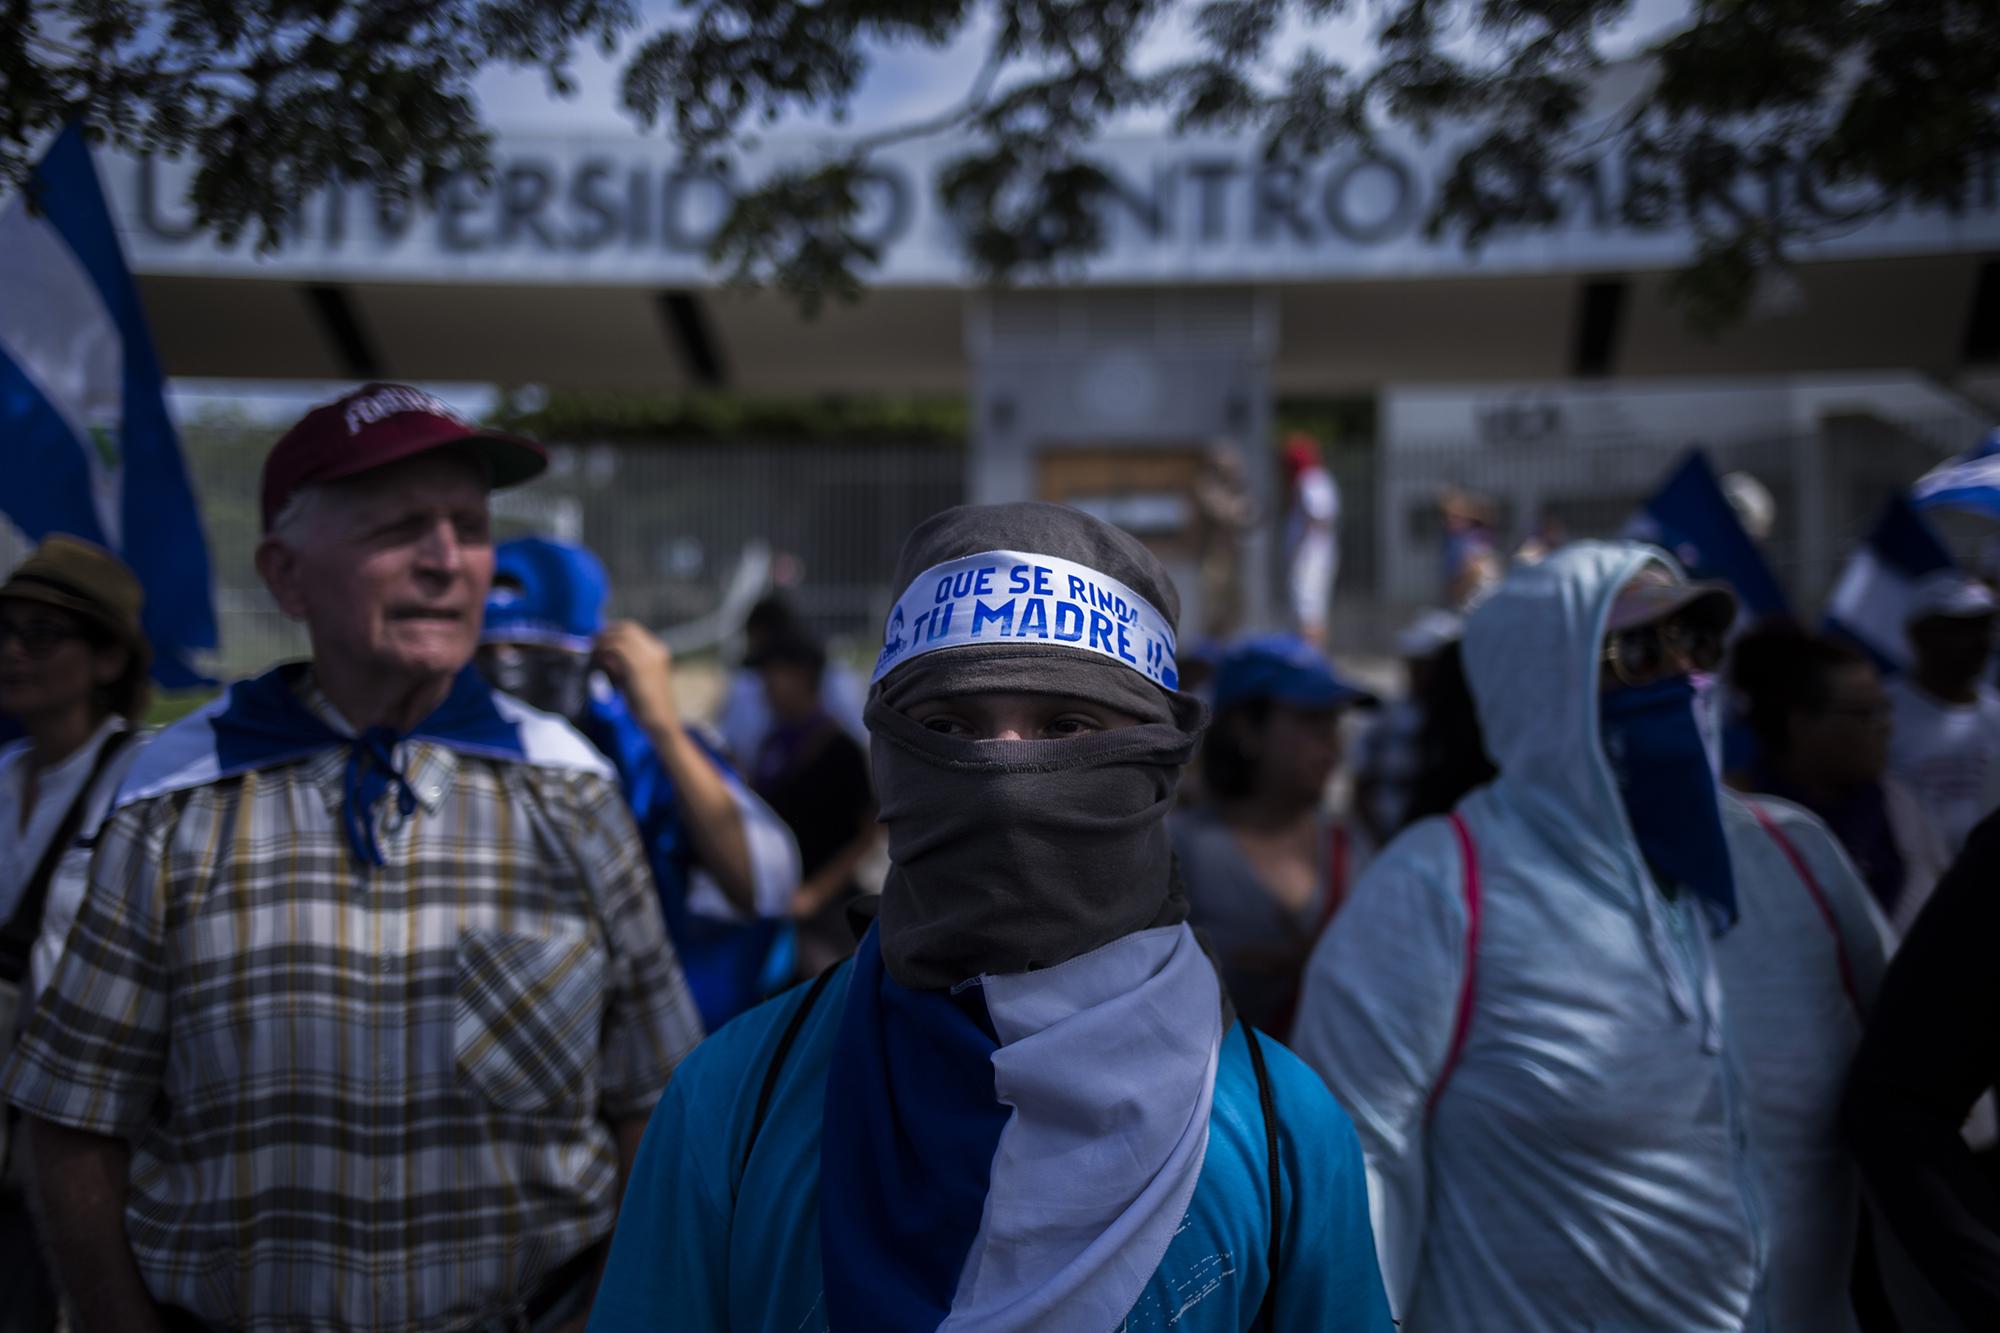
(1691, 517)
(1872, 602)
(86, 444)
(1970, 481)
(961, 1181)
(261, 723)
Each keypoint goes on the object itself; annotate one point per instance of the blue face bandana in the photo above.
(1659, 759)
(912, 1123)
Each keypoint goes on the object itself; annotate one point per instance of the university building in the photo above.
(1548, 370)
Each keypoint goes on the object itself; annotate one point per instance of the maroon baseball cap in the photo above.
(379, 424)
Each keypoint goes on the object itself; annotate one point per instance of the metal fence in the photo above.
(673, 522)
(1828, 487)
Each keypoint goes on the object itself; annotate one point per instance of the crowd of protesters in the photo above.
(453, 979)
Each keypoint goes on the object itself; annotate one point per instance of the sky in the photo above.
(906, 83)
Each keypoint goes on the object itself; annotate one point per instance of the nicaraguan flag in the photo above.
(1691, 517)
(85, 441)
(1970, 481)
(261, 722)
(958, 1183)
(1872, 601)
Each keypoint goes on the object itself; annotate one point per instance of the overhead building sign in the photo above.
(621, 209)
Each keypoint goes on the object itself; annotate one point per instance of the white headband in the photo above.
(1009, 597)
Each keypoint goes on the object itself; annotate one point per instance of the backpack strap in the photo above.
(1818, 895)
(778, 1057)
(18, 935)
(1468, 991)
(1267, 1312)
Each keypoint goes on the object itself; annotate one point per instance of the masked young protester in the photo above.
(724, 864)
(1593, 1027)
(1025, 1103)
(369, 996)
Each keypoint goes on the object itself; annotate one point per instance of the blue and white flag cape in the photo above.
(262, 723)
(1018, 1153)
(1970, 481)
(86, 445)
(1871, 603)
(1690, 516)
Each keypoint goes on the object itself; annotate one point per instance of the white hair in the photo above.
(311, 504)
(299, 513)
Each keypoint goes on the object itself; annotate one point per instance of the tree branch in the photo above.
(971, 108)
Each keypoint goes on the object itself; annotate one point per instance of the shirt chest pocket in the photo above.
(527, 1018)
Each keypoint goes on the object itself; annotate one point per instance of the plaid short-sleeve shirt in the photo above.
(362, 1098)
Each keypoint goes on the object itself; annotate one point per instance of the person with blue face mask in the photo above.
(1593, 1026)
(725, 866)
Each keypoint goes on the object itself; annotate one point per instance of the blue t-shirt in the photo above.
(724, 960)
(703, 1246)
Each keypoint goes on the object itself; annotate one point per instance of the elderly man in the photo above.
(370, 996)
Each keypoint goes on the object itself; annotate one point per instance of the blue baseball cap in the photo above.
(546, 592)
(1284, 669)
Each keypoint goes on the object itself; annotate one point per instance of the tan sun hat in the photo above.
(83, 578)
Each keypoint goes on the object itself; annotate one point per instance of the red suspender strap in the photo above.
(1336, 894)
(1336, 876)
(1467, 991)
(1811, 881)
(1340, 856)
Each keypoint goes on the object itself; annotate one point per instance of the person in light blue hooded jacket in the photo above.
(1593, 1027)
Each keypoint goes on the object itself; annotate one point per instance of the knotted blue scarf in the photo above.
(266, 724)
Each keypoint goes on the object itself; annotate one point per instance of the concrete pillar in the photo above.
(1149, 374)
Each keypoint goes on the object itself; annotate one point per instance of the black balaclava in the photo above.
(554, 680)
(1016, 855)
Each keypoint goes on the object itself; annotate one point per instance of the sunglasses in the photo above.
(1649, 652)
(38, 638)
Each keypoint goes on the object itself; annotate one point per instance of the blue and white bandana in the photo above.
(1017, 1153)
(263, 723)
